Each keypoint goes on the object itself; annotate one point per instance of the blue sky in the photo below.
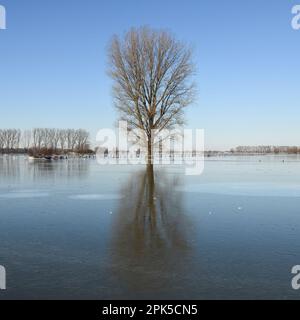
(53, 64)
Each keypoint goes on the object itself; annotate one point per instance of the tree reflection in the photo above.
(150, 233)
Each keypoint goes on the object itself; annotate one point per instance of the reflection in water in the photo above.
(151, 239)
(150, 234)
(59, 169)
(18, 168)
(9, 166)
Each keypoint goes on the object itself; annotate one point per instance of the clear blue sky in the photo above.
(53, 64)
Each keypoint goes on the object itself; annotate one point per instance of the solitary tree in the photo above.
(151, 72)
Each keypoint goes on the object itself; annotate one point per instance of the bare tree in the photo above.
(37, 138)
(62, 138)
(152, 73)
(82, 139)
(70, 137)
(26, 137)
(1, 140)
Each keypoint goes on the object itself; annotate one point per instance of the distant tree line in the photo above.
(266, 149)
(10, 139)
(44, 140)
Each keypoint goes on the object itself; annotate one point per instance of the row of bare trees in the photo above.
(63, 139)
(10, 139)
(266, 149)
(58, 140)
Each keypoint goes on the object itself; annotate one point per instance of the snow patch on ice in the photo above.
(100, 197)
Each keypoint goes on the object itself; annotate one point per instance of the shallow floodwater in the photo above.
(73, 229)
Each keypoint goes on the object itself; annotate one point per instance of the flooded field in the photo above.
(76, 229)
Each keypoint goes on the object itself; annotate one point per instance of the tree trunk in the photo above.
(151, 195)
(149, 159)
